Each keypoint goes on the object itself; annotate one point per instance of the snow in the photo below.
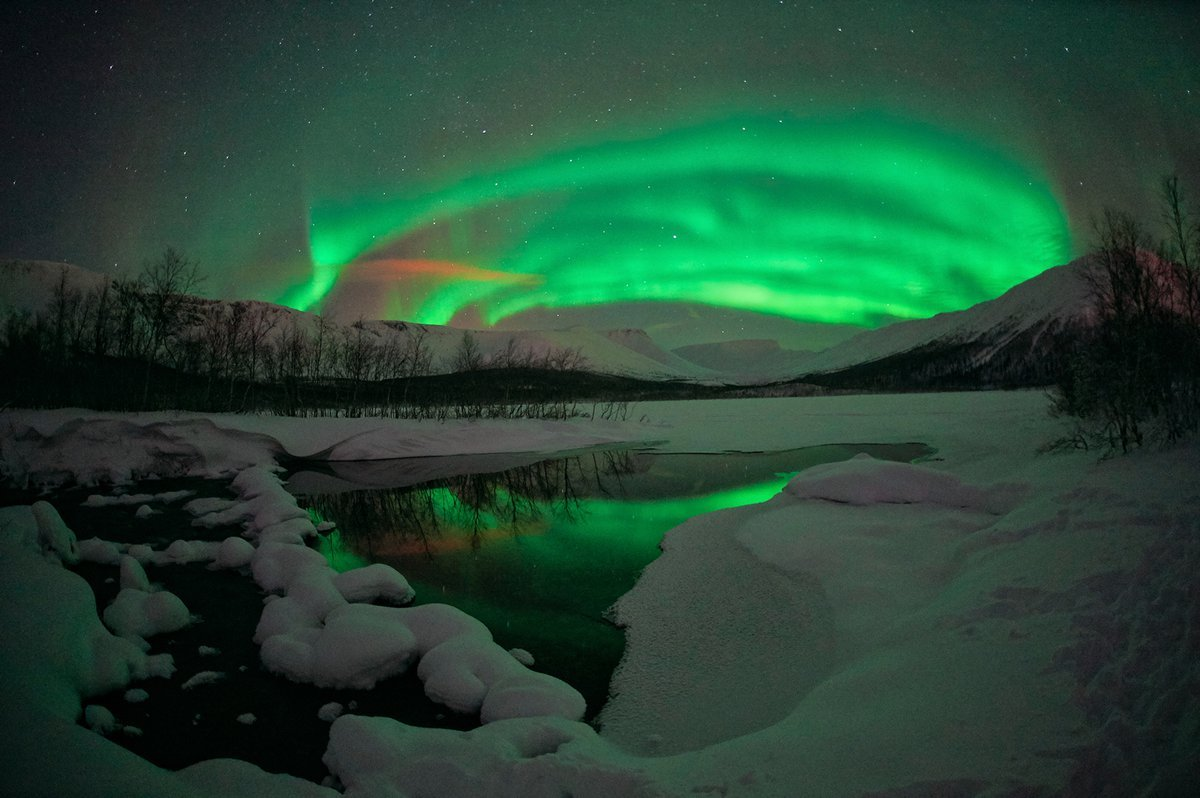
(136, 695)
(376, 582)
(138, 614)
(874, 628)
(330, 712)
(57, 447)
(202, 678)
(99, 719)
(234, 553)
(55, 539)
(121, 499)
(863, 480)
(133, 575)
(247, 718)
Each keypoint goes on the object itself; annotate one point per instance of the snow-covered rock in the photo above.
(138, 614)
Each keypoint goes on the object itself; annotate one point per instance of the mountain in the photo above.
(1014, 340)
(30, 286)
(748, 361)
(27, 286)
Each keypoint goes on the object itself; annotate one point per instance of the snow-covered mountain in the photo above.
(29, 287)
(1014, 339)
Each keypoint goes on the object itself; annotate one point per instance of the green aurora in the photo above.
(848, 219)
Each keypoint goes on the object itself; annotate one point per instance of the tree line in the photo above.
(1134, 378)
(150, 343)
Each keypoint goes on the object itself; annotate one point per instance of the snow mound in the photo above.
(50, 609)
(317, 630)
(376, 582)
(202, 678)
(133, 575)
(137, 614)
(100, 719)
(55, 538)
(863, 480)
(93, 451)
(542, 757)
(122, 499)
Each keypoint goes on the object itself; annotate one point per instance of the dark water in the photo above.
(537, 548)
(540, 551)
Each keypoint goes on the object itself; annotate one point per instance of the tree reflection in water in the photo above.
(466, 510)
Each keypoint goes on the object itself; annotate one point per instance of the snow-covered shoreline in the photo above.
(976, 623)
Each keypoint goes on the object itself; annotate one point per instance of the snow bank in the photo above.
(138, 614)
(55, 656)
(318, 630)
(39, 526)
(60, 447)
(123, 499)
(92, 451)
(529, 757)
(864, 480)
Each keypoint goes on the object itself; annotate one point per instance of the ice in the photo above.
(207, 651)
(330, 712)
(136, 695)
(247, 718)
(145, 511)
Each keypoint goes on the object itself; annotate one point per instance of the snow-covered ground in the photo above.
(993, 621)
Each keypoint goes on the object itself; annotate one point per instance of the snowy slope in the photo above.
(28, 285)
(1001, 341)
(1054, 299)
(747, 361)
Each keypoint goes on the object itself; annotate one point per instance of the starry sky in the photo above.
(515, 163)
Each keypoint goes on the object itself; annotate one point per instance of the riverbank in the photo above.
(994, 620)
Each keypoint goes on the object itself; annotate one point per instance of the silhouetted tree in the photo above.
(1133, 378)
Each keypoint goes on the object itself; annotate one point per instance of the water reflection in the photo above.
(463, 511)
(538, 549)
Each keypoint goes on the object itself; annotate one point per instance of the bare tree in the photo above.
(167, 285)
(1128, 383)
(467, 356)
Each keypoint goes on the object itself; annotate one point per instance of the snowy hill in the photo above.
(747, 361)
(29, 286)
(1012, 340)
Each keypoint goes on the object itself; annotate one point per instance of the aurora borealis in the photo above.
(477, 163)
(830, 220)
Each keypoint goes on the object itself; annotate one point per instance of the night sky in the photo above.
(484, 162)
